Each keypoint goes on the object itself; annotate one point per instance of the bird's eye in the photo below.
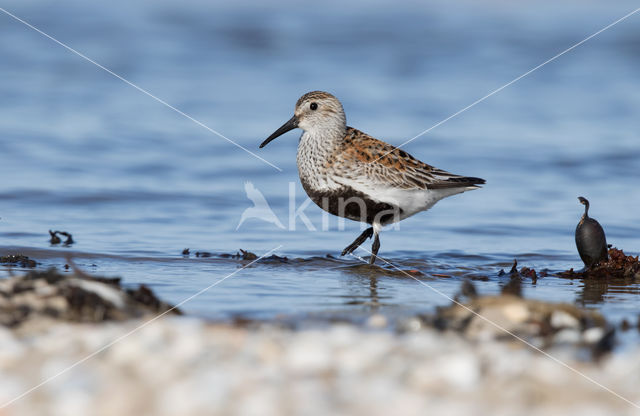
(313, 106)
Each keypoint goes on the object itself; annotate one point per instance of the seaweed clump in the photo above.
(50, 295)
(510, 317)
(524, 272)
(618, 266)
(18, 260)
(55, 238)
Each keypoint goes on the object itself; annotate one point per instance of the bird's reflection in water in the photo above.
(364, 274)
(594, 291)
(374, 300)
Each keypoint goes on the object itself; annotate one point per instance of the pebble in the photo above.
(377, 321)
(593, 335)
(561, 319)
(567, 336)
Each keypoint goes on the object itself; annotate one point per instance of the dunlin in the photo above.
(353, 175)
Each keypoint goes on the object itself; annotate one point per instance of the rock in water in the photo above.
(590, 238)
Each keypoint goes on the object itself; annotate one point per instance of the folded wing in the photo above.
(369, 162)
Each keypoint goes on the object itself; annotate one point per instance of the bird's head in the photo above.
(584, 202)
(316, 111)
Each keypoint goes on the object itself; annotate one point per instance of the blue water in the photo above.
(136, 183)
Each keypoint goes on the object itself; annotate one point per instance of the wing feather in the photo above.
(362, 158)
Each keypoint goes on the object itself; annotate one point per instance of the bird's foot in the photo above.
(358, 241)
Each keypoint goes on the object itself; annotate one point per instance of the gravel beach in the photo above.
(185, 366)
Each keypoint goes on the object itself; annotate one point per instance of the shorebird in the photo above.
(353, 175)
(590, 239)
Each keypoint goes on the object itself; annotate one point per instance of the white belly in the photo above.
(411, 201)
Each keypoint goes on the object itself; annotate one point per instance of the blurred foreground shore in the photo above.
(103, 353)
(188, 367)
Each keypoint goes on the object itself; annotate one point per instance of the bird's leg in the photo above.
(358, 241)
(374, 248)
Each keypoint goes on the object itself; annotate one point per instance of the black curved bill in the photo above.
(289, 125)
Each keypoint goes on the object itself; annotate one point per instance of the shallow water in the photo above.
(136, 183)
